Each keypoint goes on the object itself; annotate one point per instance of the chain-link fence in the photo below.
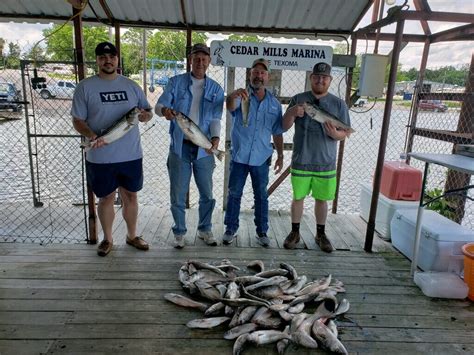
(41, 168)
(42, 198)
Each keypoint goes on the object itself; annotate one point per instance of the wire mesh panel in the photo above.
(442, 123)
(43, 194)
(41, 166)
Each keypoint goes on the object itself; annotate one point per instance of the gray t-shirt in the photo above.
(100, 103)
(313, 149)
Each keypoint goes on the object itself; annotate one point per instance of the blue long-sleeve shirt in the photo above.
(251, 144)
(178, 96)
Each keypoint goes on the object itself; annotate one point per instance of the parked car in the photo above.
(61, 90)
(432, 105)
(360, 103)
(10, 97)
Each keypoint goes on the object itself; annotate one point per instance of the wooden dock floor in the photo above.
(346, 232)
(63, 298)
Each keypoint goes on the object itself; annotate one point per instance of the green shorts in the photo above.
(321, 184)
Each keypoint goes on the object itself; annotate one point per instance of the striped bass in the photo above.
(192, 132)
(117, 130)
(322, 116)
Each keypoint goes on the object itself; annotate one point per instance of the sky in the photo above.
(441, 54)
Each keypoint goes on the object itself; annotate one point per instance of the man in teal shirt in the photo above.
(257, 115)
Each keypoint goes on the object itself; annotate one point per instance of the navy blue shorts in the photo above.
(106, 178)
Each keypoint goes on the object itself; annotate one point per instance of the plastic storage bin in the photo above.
(385, 209)
(441, 284)
(468, 251)
(400, 181)
(441, 240)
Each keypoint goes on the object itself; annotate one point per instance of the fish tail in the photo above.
(219, 154)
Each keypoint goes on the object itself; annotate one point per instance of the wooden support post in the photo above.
(81, 73)
(228, 127)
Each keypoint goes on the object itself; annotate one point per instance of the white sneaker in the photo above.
(179, 241)
(208, 237)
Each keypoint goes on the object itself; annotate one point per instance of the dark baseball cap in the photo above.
(105, 48)
(263, 62)
(200, 47)
(322, 69)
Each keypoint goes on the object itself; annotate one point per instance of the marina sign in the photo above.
(280, 56)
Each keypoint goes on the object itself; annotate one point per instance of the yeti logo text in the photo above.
(112, 97)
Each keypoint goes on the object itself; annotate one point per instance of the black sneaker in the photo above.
(263, 239)
(228, 237)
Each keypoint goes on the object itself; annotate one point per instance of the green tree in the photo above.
(60, 46)
(341, 48)
(35, 53)
(171, 45)
(246, 38)
(12, 59)
(132, 49)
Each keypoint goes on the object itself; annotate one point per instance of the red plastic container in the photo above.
(400, 181)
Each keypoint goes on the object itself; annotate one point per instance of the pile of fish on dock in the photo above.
(264, 307)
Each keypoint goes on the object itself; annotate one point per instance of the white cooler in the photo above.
(441, 240)
(385, 209)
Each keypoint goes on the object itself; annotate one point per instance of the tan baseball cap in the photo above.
(263, 62)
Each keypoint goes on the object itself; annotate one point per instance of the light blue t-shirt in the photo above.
(178, 96)
(251, 145)
(101, 103)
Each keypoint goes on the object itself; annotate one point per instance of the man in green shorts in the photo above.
(313, 164)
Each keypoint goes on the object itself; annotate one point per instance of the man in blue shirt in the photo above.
(256, 115)
(201, 99)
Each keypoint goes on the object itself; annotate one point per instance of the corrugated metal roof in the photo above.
(250, 16)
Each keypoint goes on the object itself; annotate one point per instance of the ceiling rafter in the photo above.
(183, 13)
(107, 11)
(422, 5)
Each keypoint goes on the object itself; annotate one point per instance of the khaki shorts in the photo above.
(321, 184)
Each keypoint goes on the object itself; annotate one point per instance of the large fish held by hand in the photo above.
(192, 132)
(322, 116)
(117, 130)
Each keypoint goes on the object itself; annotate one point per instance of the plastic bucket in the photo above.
(468, 251)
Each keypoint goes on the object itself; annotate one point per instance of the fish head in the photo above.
(132, 116)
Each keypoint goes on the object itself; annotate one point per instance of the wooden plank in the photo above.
(149, 226)
(307, 234)
(333, 235)
(192, 220)
(339, 224)
(243, 238)
(24, 347)
(212, 346)
(171, 331)
(34, 318)
(163, 236)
